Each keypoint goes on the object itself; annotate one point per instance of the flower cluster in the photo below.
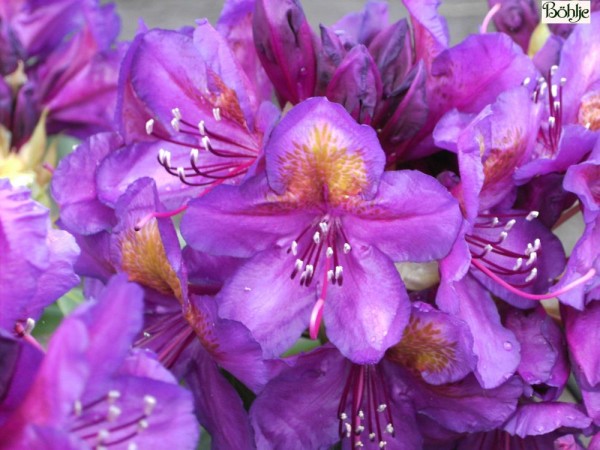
(275, 237)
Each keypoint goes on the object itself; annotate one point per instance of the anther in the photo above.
(77, 407)
(142, 424)
(317, 237)
(518, 264)
(361, 414)
(176, 113)
(194, 153)
(359, 444)
(324, 227)
(309, 270)
(29, 326)
(343, 416)
(181, 173)
(294, 248)
(338, 272)
(537, 244)
(526, 81)
(551, 121)
(381, 408)
(553, 69)
(531, 275)
(389, 428)
(149, 404)
(175, 123)
(382, 444)
(149, 126)
(359, 429)
(299, 264)
(563, 81)
(102, 436)
(495, 221)
(217, 114)
(554, 90)
(532, 258)
(330, 275)
(113, 396)
(347, 248)
(532, 215)
(206, 143)
(509, 224)
(329, 252)
(113, 413)
(503, 236)
(201, 128)
(372, 437)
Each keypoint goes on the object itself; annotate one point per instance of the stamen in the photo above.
(175, 124)
(149, 126)
(526, 81)
(317, 237)
(532, 215)
(589, 275)
(217, 113)
(294, 248)
(149, 404)
(329, 252)
(509, 224)
(176, 113)
(113, 413)
(347, 248)
(532, 258)
(201, 128)
(194, 153)
(518, 264)
(158, 215)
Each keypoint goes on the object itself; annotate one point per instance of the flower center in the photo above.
(144, 260)
(321, 169)
(365, 406)
(589, 111)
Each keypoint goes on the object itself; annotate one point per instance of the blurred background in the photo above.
(464, 16)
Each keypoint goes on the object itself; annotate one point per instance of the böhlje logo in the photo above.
(574, 11)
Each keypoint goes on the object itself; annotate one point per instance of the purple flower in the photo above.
(36, 261)
(185, 98)
(322, 229)
(377, 406)
(90, 390)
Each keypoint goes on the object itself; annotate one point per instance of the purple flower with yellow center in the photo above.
(379, 405)
(323, 227)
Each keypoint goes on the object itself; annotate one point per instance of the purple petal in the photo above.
(541, 418)
(412, 218)
(430, 29)
(240, 221)
(361, 27)
(361, 325)
(285, 45)
(318, 151)
(582, 331)
(218, 406)
(261, 295)
(497, 349)
(235, 24)
(297, 410)
(517, 18)
(356, 84)
(543, 355)
(74, 186)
